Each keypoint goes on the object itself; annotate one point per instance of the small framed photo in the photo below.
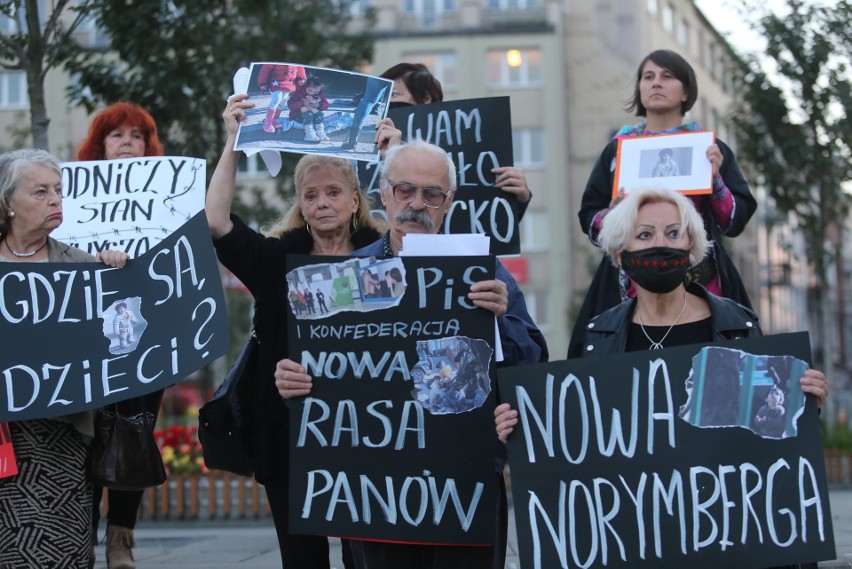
(672, 161)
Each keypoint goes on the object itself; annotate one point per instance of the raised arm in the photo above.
(220, 194)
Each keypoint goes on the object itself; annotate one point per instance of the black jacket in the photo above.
(607, 332)
(260, 264)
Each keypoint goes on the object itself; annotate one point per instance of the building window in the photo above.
(13, 90)
(524, 70)
(91, 35)
(359, 8)
(535, 232)
(537, 306)
(528, 147)
(9, 25)
(668, 18)
(428, 11)
(251, 167)
(443, 65)
(653, 7)
(710, 63)
(683, 35)
(513, 4)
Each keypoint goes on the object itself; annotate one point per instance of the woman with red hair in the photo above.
(121, 130)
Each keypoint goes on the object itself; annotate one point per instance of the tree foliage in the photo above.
(793, 128)
(38, 43)
(176, 58)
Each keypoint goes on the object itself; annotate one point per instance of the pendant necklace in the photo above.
(24, 255)
(659, 345)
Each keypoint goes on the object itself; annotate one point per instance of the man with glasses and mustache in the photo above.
(418, 182)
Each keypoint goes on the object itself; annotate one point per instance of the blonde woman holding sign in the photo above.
(328, 217)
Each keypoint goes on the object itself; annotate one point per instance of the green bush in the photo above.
(839, 439)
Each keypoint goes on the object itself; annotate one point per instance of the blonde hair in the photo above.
(341, 169)
(619, 223)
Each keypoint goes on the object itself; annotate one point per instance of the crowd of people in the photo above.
(664, 280)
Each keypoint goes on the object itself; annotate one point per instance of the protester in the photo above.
(654, 236)
(665, 90)
(413, 84)
(46, 508)
(122, 130)
(329, 217)
(418, 182)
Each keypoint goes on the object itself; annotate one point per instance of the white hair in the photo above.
(619, 223)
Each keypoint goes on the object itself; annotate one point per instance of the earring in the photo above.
(11, 213)
(308, 226)
(354, 222)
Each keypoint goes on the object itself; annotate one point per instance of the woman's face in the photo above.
(657, 225)
(401, 94)
(124, 142)
(36, 201)
(327, 204)
(659, 90)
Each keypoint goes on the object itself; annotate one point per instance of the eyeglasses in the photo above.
(403, 192)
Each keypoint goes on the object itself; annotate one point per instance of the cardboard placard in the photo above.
(660, 459)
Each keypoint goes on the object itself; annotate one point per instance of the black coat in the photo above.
(604, 291)
(260, 264)
(607, 333)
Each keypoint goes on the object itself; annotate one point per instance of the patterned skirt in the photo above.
(46, 509)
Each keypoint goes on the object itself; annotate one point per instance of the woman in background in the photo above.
(122, 130)
(413, 84)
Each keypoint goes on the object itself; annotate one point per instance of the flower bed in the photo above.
(181, 450)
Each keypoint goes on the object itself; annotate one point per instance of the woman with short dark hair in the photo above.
(665, 90)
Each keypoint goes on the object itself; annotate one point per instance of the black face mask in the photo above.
(658, 269)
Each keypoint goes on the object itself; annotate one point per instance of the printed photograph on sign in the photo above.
(124, 325)
(451, 374)
(666, 162)
(732, 388)
(673, 161)
(358, 284)
(313, 110)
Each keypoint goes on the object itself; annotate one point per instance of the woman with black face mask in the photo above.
(654, 236)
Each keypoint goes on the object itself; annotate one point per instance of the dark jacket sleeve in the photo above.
(598, 192)
(243, 251)
(744, 202)
(521, 340)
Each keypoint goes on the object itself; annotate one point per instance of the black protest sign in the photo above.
(657, 459)
(477, 135)
(129, 204)
(78, 336)
(396, 439)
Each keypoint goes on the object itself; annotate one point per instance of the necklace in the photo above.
(24, 255)
(659, 345)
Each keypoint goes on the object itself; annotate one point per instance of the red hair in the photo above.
(112, 117)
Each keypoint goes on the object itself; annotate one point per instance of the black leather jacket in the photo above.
(607, 332)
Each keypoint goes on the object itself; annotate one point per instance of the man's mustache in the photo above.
(418, 216)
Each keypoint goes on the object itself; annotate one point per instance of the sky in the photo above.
(728, 21)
